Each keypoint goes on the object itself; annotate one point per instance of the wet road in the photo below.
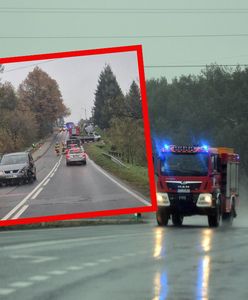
(62, 189)
(126, 262)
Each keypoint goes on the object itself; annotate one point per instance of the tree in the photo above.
(17, 123)
(41, 93)
(211, 107)
(133, 102)
(108, 95)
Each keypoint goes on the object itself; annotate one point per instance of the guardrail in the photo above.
(115, 160)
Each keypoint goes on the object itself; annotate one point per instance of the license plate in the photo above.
(183, 190)
(12, 176)
(182, 198)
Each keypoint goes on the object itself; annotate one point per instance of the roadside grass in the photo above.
(135, 176)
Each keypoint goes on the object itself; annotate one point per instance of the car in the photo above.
(17, 167)
(76, 155)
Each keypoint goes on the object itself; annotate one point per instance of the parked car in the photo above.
(76, 155)
(17, 167)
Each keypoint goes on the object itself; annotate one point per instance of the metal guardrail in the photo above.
(115, 160)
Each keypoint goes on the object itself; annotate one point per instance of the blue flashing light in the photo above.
(205, 147)
(166, 147)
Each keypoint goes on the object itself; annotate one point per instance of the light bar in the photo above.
(184, 149)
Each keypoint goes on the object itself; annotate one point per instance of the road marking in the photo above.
(70, 241)
(120, 185)
(39, 278)
(74, 268)
(30, 194)
(90, 264)
(20, 212)
(44, 184)
(34, 259)
(21, 284)
(131, 254)
(57, 272)
(37, 193)
(104, 260)
(51, 175)
(117, 257)
(6, 291)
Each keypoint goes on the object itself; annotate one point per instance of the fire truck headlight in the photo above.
(163, 199)
(204, 200)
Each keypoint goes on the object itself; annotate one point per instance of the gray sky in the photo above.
(61, 25)
(43, 27)
(78, 76)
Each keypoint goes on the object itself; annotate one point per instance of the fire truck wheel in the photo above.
(162, 217)
(214, 220)
(177, 220)
(227, 218)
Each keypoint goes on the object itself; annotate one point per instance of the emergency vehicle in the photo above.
(196, 180)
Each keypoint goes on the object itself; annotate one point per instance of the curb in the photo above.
(74, 223)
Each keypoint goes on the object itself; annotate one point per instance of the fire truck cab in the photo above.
(196, 180)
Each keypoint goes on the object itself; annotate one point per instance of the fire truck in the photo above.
(196, 180)
(74, 131)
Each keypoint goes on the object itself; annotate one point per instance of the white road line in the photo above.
(34, 259)
(20, 204)
(20, 212)
(90, 264)
(44, 184)
(39, 278)
(104, 260)
(37, 193)
(4, 292)
(51, 175)
(131, 254)
(117, 257)
(70, 241)
(21, 284)
(74, 268)
(57, 272)
(120, 185)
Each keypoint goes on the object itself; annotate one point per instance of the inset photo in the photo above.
(74, 136)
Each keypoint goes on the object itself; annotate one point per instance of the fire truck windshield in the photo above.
(184, 164)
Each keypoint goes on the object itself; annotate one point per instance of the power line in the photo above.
(146, 66)
(128, 36)
(79, 10)
(28, 66)
(194, 66)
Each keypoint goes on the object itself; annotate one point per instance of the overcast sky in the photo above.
(78, 77)
(163, 28)
(61, 25)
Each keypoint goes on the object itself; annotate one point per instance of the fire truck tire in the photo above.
(227, 218)
(162, 217)
(177, 220)
(214, 220)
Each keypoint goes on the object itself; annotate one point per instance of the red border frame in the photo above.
(142, 209)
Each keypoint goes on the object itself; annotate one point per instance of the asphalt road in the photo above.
(62, 189)
(126, 262)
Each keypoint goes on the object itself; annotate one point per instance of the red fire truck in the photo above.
(196, 180)
(74, 131)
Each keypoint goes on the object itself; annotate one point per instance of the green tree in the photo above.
(108, 96)
(133, 102)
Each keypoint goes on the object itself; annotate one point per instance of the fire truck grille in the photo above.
(177, 186)
(183, 200)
